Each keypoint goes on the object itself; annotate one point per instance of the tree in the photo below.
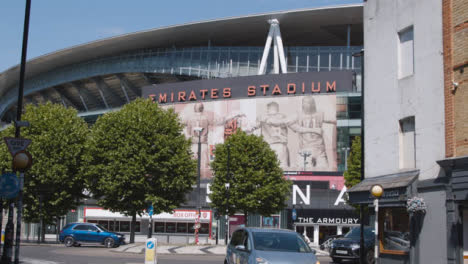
(136, 156)
(353, 174)
(57, 142)
(256, 180)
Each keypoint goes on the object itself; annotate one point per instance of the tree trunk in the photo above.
(245, 219)
(43, 231)
(132, 228)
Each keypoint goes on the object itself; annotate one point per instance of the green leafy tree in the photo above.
(353, 174)
(256, 180)
(136, 156)
(58, 136)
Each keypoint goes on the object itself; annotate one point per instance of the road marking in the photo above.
(37, 261)
(173, 250)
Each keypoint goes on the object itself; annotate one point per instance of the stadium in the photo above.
(309, 48)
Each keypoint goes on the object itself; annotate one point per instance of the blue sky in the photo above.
(58, 24)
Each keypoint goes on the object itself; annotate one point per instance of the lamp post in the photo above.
(376, 191)
(361, 207)
(305, 154)
(197, 220)
(227, 194)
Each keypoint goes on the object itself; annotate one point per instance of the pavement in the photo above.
(139, 248)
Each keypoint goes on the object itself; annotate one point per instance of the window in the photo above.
(407, 143)
(181, 227)
(159, 227)
(104, 223)
(405, 53)
(237, 238)
(204, 228)
(81, 227)
(170, 227)
(92, 228)
(113, 225)
(395, 236)
(124, 226)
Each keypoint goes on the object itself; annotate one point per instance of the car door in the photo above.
(80, 232)
(233, 253)
(245, 254)
(93, 234)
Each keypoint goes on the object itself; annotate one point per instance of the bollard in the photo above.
(151, 256)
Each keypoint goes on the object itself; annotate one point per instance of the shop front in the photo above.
(398, 226)
(175, 226)
(319, 212)
(319, 225)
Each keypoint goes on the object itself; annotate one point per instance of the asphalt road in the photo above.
(58, 254)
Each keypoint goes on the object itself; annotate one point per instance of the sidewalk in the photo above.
(139, 248)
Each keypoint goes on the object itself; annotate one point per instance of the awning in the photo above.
(397, 188)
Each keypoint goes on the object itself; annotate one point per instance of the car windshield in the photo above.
(276, 241)
(356, 233)
(102, 228)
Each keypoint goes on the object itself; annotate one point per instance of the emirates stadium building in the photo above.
(225, 74)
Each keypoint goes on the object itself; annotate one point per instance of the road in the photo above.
(54, 254)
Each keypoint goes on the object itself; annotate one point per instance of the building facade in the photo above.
(415, 143)
(101, 76)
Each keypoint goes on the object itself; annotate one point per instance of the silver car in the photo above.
(268, 246)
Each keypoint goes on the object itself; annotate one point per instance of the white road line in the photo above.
(36, 261)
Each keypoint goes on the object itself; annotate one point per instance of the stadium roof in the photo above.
(325, 26)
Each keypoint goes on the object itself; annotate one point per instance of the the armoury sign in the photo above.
(306, 83)
(328, 220)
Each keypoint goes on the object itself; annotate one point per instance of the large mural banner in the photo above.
(295, 114)
(293, 126)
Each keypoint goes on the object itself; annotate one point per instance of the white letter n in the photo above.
(305, 199)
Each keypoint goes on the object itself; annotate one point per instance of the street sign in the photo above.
(16, 145)
(150, 251)
(294, 214)
(9, 186)
(150, 210)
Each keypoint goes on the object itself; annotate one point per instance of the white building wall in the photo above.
(389, 99)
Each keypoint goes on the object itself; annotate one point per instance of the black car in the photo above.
(347, 247)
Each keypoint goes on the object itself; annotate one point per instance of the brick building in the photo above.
(416, 135)
(455, 164)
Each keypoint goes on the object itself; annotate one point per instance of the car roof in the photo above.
(266, 230)
(78, 223)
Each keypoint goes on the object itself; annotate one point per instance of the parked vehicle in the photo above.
(268, 246)
(77, 233)
(327, 243)
(347, 247)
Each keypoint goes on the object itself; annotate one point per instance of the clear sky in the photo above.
(58, 24)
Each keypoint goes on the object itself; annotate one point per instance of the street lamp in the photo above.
(305, 154)
(227, 195)
(197, 220)
(377, 192)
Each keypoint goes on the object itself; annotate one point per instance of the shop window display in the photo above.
(395, 235)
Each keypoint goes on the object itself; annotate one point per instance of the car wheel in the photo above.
(69, 241)
(336, 260)
(109, 242)
(370, 257)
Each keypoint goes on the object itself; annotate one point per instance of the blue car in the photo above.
(268, 246)
(76, 233)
